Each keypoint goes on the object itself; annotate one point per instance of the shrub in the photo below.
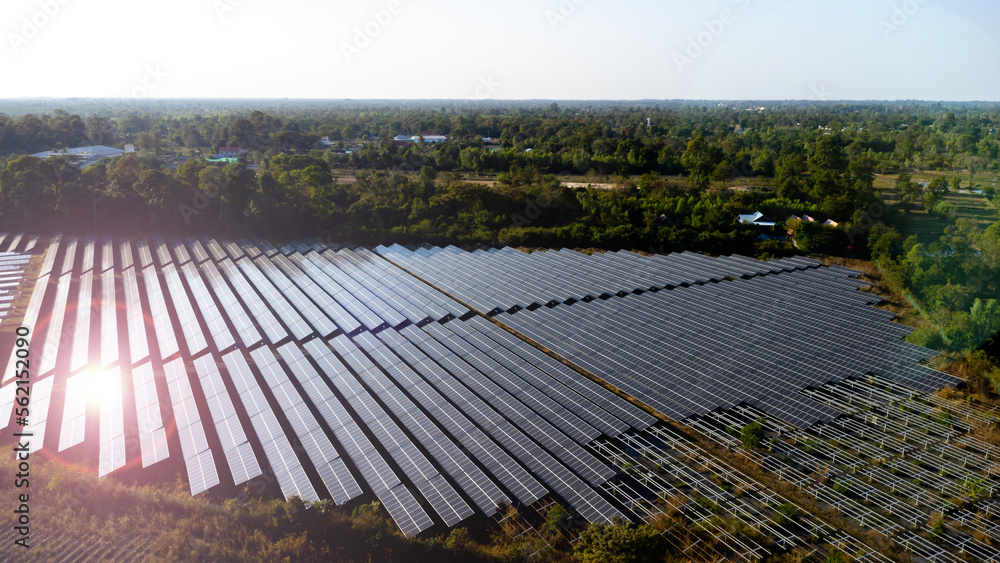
(620, 542)
(752, 435)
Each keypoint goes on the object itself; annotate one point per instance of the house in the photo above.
(831, 223)
(430, 137)
(82, 157)
(231, 152)
(757, 219)
(403, 140)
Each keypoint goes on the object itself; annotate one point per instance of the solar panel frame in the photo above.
(74, 415)
(162, 324)
(194, 337)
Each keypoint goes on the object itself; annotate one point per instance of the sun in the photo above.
(98, 383)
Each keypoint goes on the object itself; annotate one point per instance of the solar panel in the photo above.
(69, 256)
(344, 321)
(138, 346)
(198, 252)
(180, 251)
(193, 335)
(165, 337)
(235, 446)
(109, 319)
(145, 253)
(81, 328)
(598, 395)
(227, 300)
(125, 254)
(107, 255)
(54, 335)
(152, 436)
(257, 307)
(732, 360)
(74, 411)
(455, 462)
(30, 319)
(87, 263)
(50, 256)
(15, 241)
(198, 458)
(41, 398)
(458, 415)
(376, 472)
(112, 427)
(7, 395)
(278, 302)
(405, 511)
(215, 249)
(320, 451)
(312, 314)
(280, 456)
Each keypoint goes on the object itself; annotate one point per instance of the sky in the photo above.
(504, 49)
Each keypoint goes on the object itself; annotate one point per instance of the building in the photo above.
(429, 137)
(230, 152)
(82, 157)
(403, 140)
(757, 219)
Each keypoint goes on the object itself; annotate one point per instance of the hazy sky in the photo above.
(503, 49)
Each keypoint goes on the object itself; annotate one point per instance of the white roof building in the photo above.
(82, 157)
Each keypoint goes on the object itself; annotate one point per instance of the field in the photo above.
(975, 207)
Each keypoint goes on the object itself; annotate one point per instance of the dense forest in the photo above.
(672, 176)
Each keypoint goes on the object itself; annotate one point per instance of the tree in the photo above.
(149, 141)
(752, 435)
(907, 189)
(28, 189)
(701, 159)
(788, 176)
(984, 320)
(829, 156)
(620, 542)
(935, 193)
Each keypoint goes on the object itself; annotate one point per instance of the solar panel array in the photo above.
(235, 446)
(345, 376)
(502, 279)
(198, 457)
(152, 436)
(12, 268)
(761, 341)
(112, 428)
(74, 411)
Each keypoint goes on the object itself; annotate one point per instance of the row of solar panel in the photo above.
(510, 386)
(18, 242)
(12, 268)
(500, 279)
(760, 341)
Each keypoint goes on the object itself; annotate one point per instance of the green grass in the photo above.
(928, 228)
